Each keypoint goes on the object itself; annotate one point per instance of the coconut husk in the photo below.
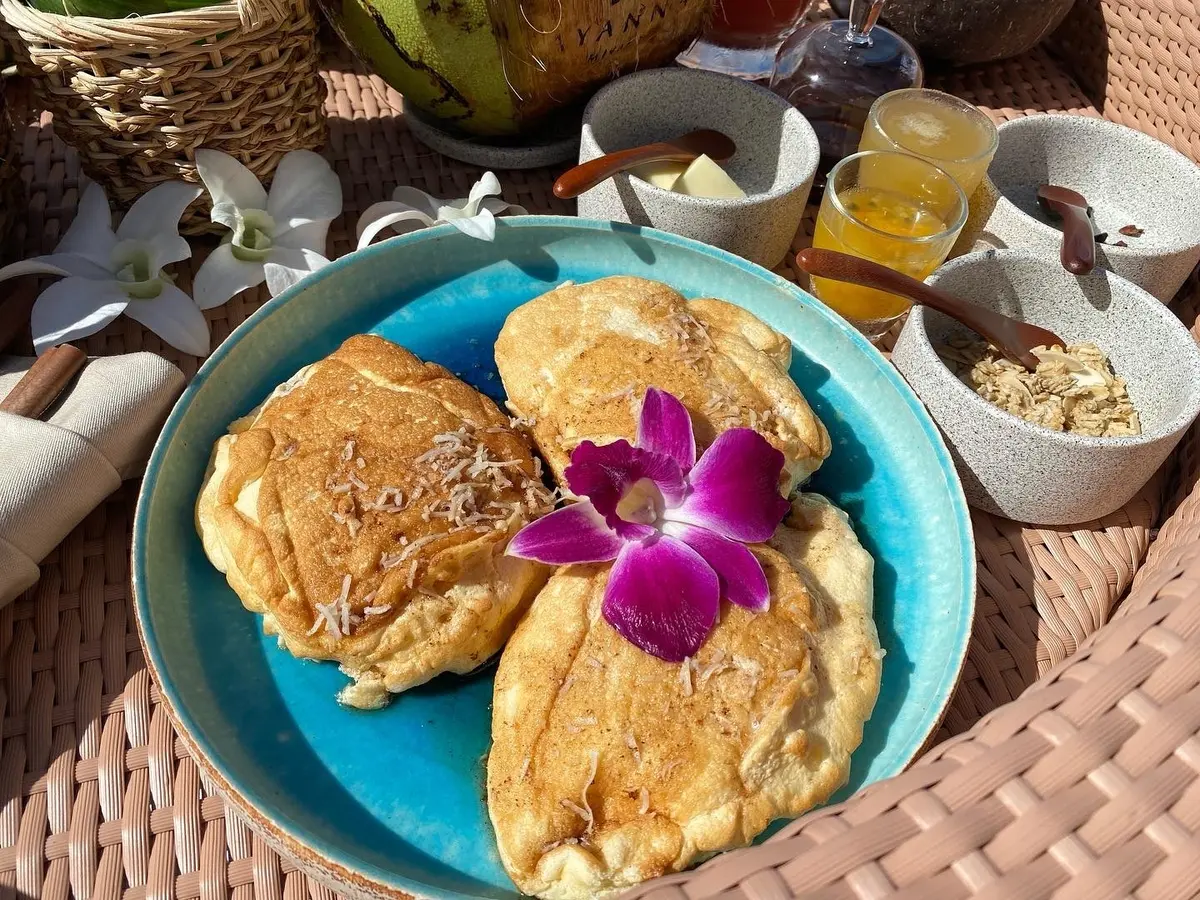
(556, 51)
(498, 67)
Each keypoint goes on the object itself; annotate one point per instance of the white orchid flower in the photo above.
(474, 216)
(106, 273)
(278, 237)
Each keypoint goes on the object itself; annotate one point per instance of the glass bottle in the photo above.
(832, 71)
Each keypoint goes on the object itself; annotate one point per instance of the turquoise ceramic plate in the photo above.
(393, 800)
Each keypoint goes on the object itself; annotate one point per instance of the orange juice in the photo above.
(951, 133)
(893, 209)
(876, 218)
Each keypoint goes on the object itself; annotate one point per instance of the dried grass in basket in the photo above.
(137, 97)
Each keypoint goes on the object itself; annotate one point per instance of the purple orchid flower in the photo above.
(676, 527)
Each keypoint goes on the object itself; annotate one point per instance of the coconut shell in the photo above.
(495, 67)
(975, 31)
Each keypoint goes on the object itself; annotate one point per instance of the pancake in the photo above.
(609, 766)
(364, 509)
(576, 362)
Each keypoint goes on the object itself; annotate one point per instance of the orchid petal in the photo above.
(665, 427)
(573, 534)
(223, 276)
(74, 308)
(487, 186)
(304, 188)
(91, 233)
(378, 216)
(415, 198)
(56, 264)
(305, 236)
(481, 226)
(735, 488)
(603, 474)
(175, 318)
(741, 574)
(167, 248)
(157, 211)
(226, 214)
(229, 183)
(286, 268)
(663, 597)
(496, 205)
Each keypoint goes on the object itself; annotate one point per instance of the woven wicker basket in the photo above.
(137, 97)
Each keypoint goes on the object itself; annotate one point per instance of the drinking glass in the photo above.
(894, 209)
(743, 35)
(951, 133)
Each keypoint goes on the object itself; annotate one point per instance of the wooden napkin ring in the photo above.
(44, 381)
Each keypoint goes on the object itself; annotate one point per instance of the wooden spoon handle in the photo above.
(586, 176)
(844, 267)
(1078, 253)
(44, 381)
(1000, 330)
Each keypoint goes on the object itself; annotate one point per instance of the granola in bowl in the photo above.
(1073, 390)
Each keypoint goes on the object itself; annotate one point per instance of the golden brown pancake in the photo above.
(609, 766)
(364, 508)
(577, 361)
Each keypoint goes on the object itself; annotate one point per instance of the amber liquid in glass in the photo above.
(948, 132)
(753, 23)
(879, 225)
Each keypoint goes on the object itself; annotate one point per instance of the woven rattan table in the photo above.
(98, 797)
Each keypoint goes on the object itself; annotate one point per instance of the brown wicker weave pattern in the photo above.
(10, 176)
(98, 797)
(1087, 786)
(139, 96)
(1139, 61)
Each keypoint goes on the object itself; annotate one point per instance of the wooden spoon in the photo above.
(585, 176)
(41, 384)
(1078, 253)
(1015, 339)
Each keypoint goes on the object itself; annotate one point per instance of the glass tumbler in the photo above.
(743, 36)
(949, 132)
(894, 209)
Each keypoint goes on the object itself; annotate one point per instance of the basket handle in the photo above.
(256, 13)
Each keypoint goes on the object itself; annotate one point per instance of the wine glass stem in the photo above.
(863, 16)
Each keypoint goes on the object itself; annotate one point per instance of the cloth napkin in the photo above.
(57, 470)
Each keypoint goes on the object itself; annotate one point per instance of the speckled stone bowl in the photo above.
(774, 164)
(1128, 177)
(1026, 472)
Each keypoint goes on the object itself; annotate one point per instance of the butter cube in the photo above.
(661, 174)
(704, 178)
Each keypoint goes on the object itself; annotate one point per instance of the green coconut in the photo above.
(496, 67)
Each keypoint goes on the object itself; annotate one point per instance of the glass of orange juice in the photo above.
(951, 133)
(891, 208)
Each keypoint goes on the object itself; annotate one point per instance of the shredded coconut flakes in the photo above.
(685, 676)
(631, 743)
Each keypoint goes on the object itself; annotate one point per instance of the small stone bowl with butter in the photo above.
(1148, 394)
(773, 167)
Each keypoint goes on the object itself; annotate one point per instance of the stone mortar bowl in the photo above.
(1128, 177)
(1030, 473)
(776, 159)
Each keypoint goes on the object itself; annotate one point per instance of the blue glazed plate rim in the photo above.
(327, 862)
